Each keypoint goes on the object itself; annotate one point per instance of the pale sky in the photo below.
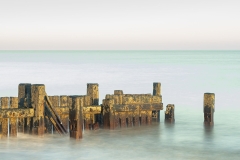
(119, 24)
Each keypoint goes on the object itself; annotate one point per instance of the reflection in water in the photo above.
(208, 132)
(183, 84)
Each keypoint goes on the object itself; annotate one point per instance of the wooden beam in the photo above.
(16, 113)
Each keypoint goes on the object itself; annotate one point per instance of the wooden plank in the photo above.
(16, 113)
(4, 105)
(75, 116)
(13, 121)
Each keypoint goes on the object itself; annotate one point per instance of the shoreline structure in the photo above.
(34, 112)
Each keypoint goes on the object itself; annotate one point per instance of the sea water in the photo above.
(184, 75)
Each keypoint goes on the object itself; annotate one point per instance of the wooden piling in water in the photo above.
(24, 101)
(4, 105)
(92, 91)
(111, 114)
(209, 108)
(118, 92)
(157, 92)
(13, 121)
(169, 113)
(38, 103)
(76, 117)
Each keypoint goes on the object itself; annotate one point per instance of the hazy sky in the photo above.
(119, 24)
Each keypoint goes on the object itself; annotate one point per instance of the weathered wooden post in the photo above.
(4, 105)
(92, 91)
(118, 92)
(38, 103)
(169, 113)
(65, 118)
(111, 113)
(209, 108)
(13, 121)
(24, 101)
(55, 104)
(88, 119)
(63, 101)
(76, 117)
(157, 92)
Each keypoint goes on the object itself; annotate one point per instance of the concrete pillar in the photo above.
(92, 91)
(118, 92)
(24, 101)
(5, 105)
(169, 113)
(38, 101)
(209, 108)
(13, 121)
(76, 117)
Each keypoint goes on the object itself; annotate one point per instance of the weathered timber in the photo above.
(117, 119)
(69, 102)
(149, 117)
(87, 100)
(209, 108)
(118, 92)
(92, 91)
(13, 121)
(136, 116)
(91, 115)
(132, 109)
(53, 116)
(75, 116)
(143, 117)
(4, 105)
(17, 113)
(24, 101)
(129, 116)
(156, 95)
(63, 101)
(38, 103)
(157, 88)
(123, 123)
(169, 113)
(47, 122)
(110, 103)
(24, 95)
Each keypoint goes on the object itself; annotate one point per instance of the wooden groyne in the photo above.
(34, 112)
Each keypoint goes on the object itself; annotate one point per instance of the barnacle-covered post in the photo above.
(24, 101)
(209, 108)
(157, 92)
(13, 121)
(92, 91)
(169, 113)
(38, 103)
(76, 117)
(4, 105)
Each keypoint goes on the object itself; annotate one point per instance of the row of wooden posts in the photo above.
(34, 112)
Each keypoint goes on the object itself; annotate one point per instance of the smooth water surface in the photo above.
(185, 76)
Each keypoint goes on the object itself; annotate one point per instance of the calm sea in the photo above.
(185, 76)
